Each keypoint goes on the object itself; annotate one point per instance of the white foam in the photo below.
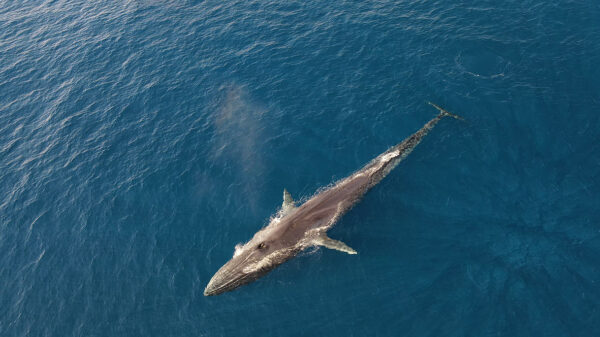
(238, 249)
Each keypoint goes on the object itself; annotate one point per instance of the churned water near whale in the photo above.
(140, 141)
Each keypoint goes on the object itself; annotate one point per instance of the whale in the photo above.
(294, 228)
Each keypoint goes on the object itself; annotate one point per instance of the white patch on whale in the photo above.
(385, 158)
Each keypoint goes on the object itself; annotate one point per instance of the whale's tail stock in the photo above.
(444, 113)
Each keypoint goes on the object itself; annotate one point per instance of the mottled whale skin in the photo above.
(294, 229)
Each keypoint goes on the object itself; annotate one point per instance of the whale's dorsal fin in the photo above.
(287, 198)
(327, 242)
(288, 202)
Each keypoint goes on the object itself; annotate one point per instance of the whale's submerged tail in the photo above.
(443, 112)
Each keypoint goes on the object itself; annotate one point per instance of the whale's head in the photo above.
(249, 262)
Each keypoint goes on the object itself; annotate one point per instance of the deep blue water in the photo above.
(141, 140)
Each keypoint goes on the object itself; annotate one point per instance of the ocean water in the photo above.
(141, 140)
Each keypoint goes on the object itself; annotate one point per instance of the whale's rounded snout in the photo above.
(216, 285)
(225, 279)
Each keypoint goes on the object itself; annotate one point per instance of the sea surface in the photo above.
(140, 141)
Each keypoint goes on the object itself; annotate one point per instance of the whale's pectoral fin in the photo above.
(330, 243)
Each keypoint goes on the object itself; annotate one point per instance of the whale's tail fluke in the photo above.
(443, 112)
